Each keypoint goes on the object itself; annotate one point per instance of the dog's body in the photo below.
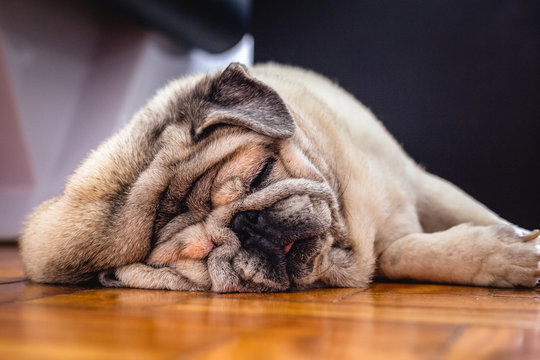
(266, 179)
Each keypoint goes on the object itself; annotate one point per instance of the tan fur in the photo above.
(156, 205)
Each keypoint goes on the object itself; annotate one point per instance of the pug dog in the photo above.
(271, 178)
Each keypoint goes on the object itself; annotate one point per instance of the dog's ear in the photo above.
(236, 98)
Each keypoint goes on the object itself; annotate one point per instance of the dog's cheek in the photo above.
(301, 257)
(307, 260)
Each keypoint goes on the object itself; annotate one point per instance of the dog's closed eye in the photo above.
(263, 174)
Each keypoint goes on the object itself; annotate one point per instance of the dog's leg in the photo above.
(494, 255)
(441, 205)
(139, 275)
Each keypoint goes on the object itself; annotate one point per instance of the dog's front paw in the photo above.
(515, 261)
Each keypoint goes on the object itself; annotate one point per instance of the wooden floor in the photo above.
(386, 321)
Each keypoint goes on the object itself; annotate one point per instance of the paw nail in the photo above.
(531, 236)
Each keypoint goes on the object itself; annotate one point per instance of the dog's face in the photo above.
(243, 209)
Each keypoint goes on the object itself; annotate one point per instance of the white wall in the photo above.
(67, 81)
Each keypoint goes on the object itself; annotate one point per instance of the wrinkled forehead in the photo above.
(232, 153)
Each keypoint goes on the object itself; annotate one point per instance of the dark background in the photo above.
(457, 82)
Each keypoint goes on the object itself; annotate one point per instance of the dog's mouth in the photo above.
(280, 245)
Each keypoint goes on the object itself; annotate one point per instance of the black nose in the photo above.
(255, 231)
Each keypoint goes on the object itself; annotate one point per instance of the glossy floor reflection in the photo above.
(387, 321)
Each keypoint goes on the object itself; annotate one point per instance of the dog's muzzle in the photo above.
(283, 233)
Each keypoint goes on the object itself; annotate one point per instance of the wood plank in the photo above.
(20, 291)
(496, 342)
(205, 334)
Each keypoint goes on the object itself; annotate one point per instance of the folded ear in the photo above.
(236, 98)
